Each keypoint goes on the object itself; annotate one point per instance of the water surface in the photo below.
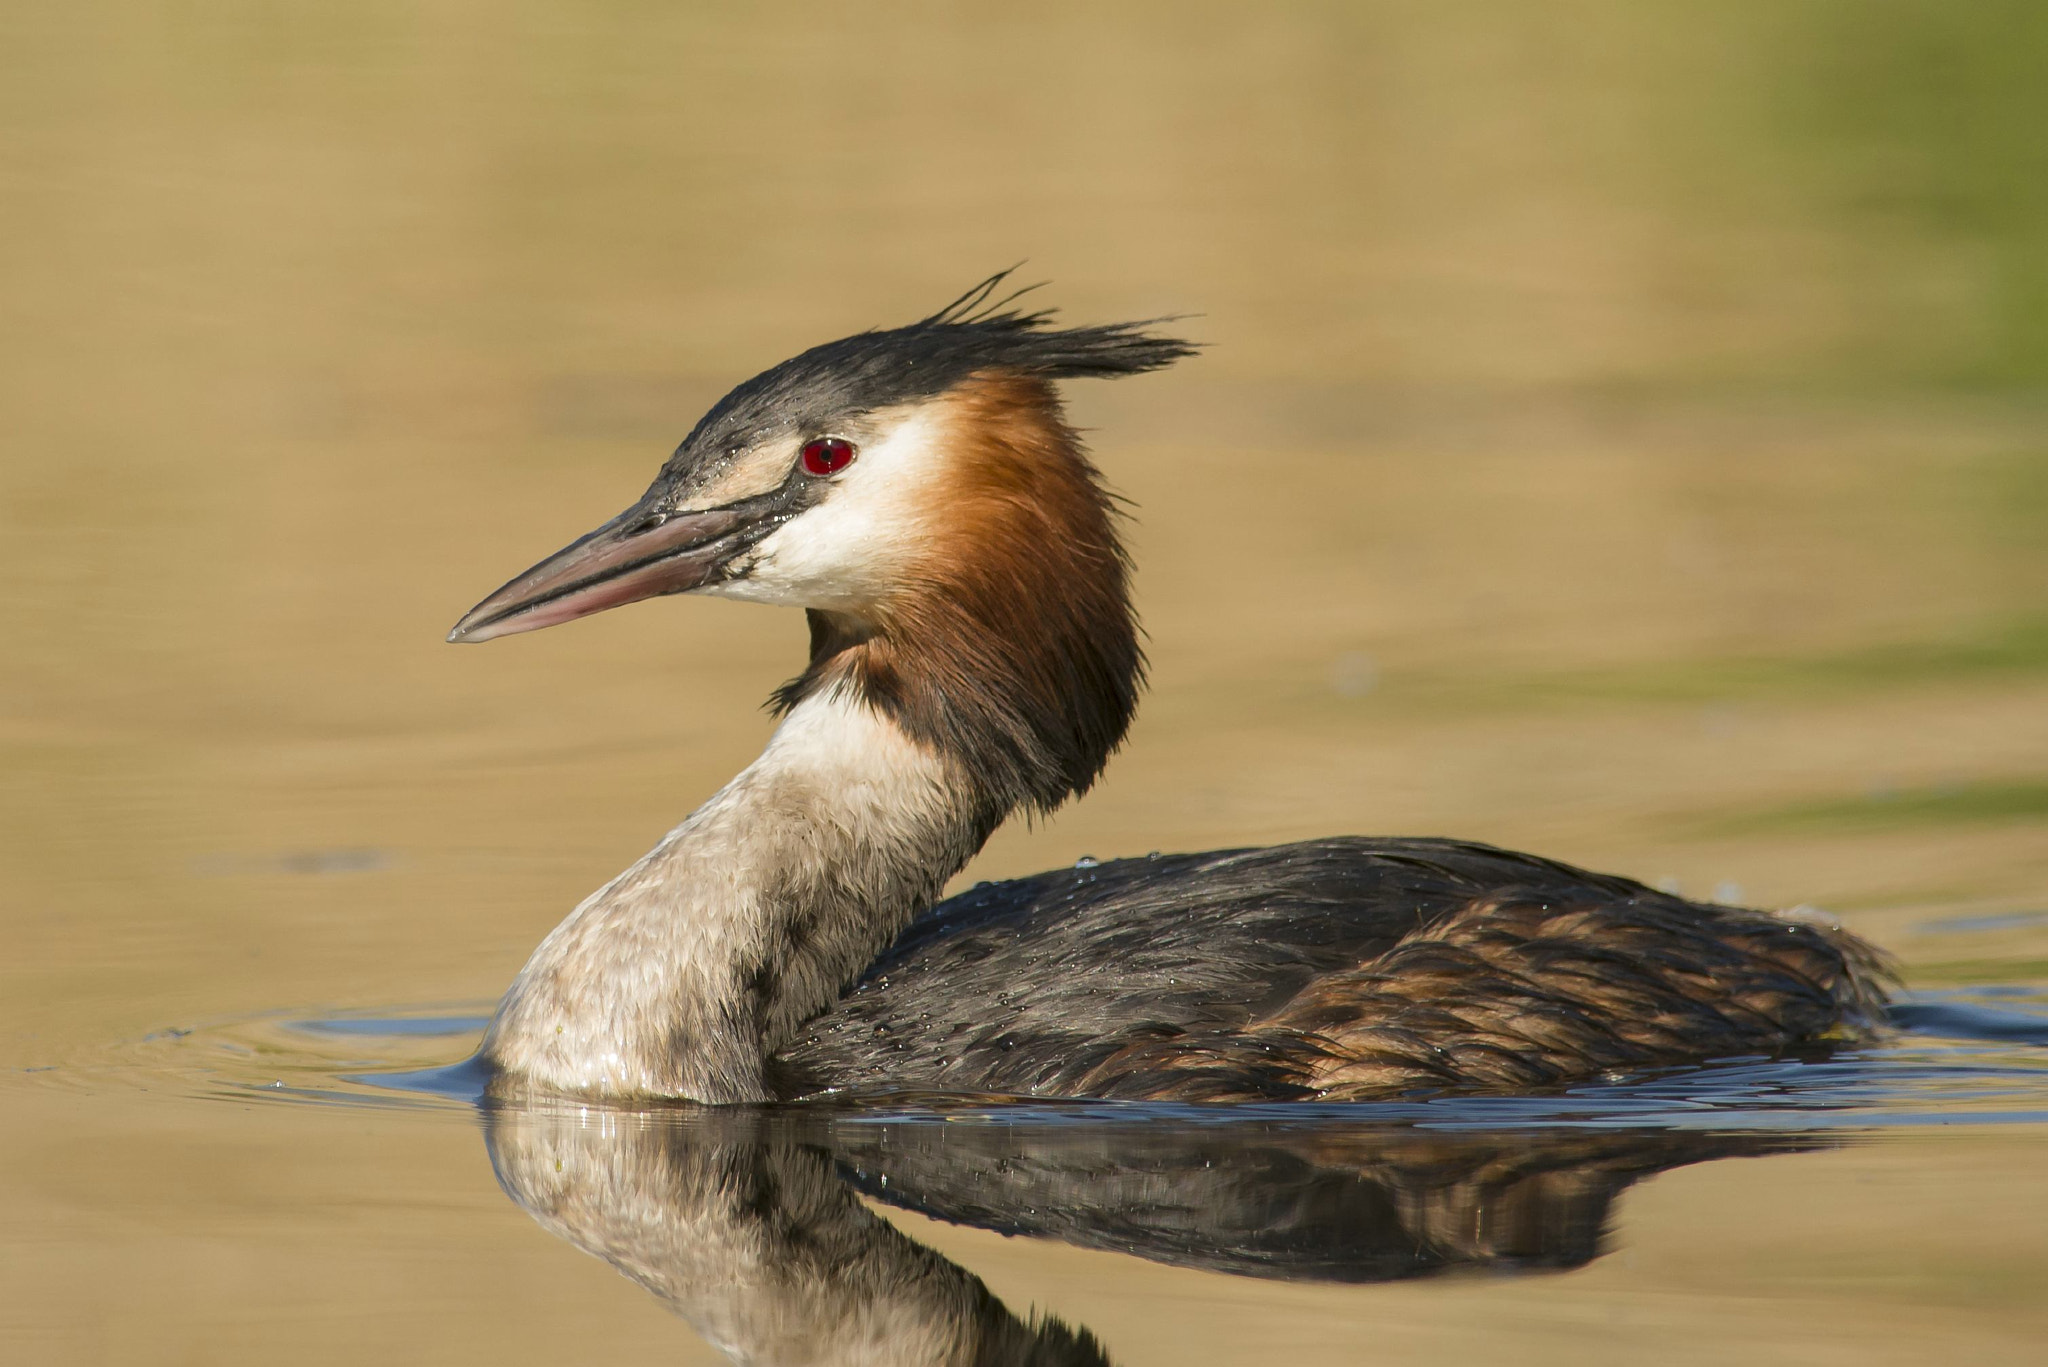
(1621, 435)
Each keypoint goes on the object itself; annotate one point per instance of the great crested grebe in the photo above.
(973, 651)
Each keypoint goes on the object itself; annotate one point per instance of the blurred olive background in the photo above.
(1623, 431)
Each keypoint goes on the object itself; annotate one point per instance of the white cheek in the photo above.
(845, 552)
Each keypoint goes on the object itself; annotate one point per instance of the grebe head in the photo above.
(919, 491)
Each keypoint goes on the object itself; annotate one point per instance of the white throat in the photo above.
(682, 975)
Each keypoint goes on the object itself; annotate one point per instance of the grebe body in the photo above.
(1343, 968)
(973, 653)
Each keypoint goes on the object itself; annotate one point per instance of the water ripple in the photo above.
(1964, 1056)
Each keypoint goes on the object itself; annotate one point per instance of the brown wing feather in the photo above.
(1512, 993)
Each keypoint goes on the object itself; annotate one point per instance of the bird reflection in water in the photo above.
(750, 1224)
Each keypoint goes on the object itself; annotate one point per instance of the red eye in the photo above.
(827, 454)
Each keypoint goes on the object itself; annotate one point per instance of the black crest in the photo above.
(813, 392)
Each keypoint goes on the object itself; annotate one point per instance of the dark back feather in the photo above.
(1341, 967)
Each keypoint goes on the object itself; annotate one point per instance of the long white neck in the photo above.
(683, 974)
